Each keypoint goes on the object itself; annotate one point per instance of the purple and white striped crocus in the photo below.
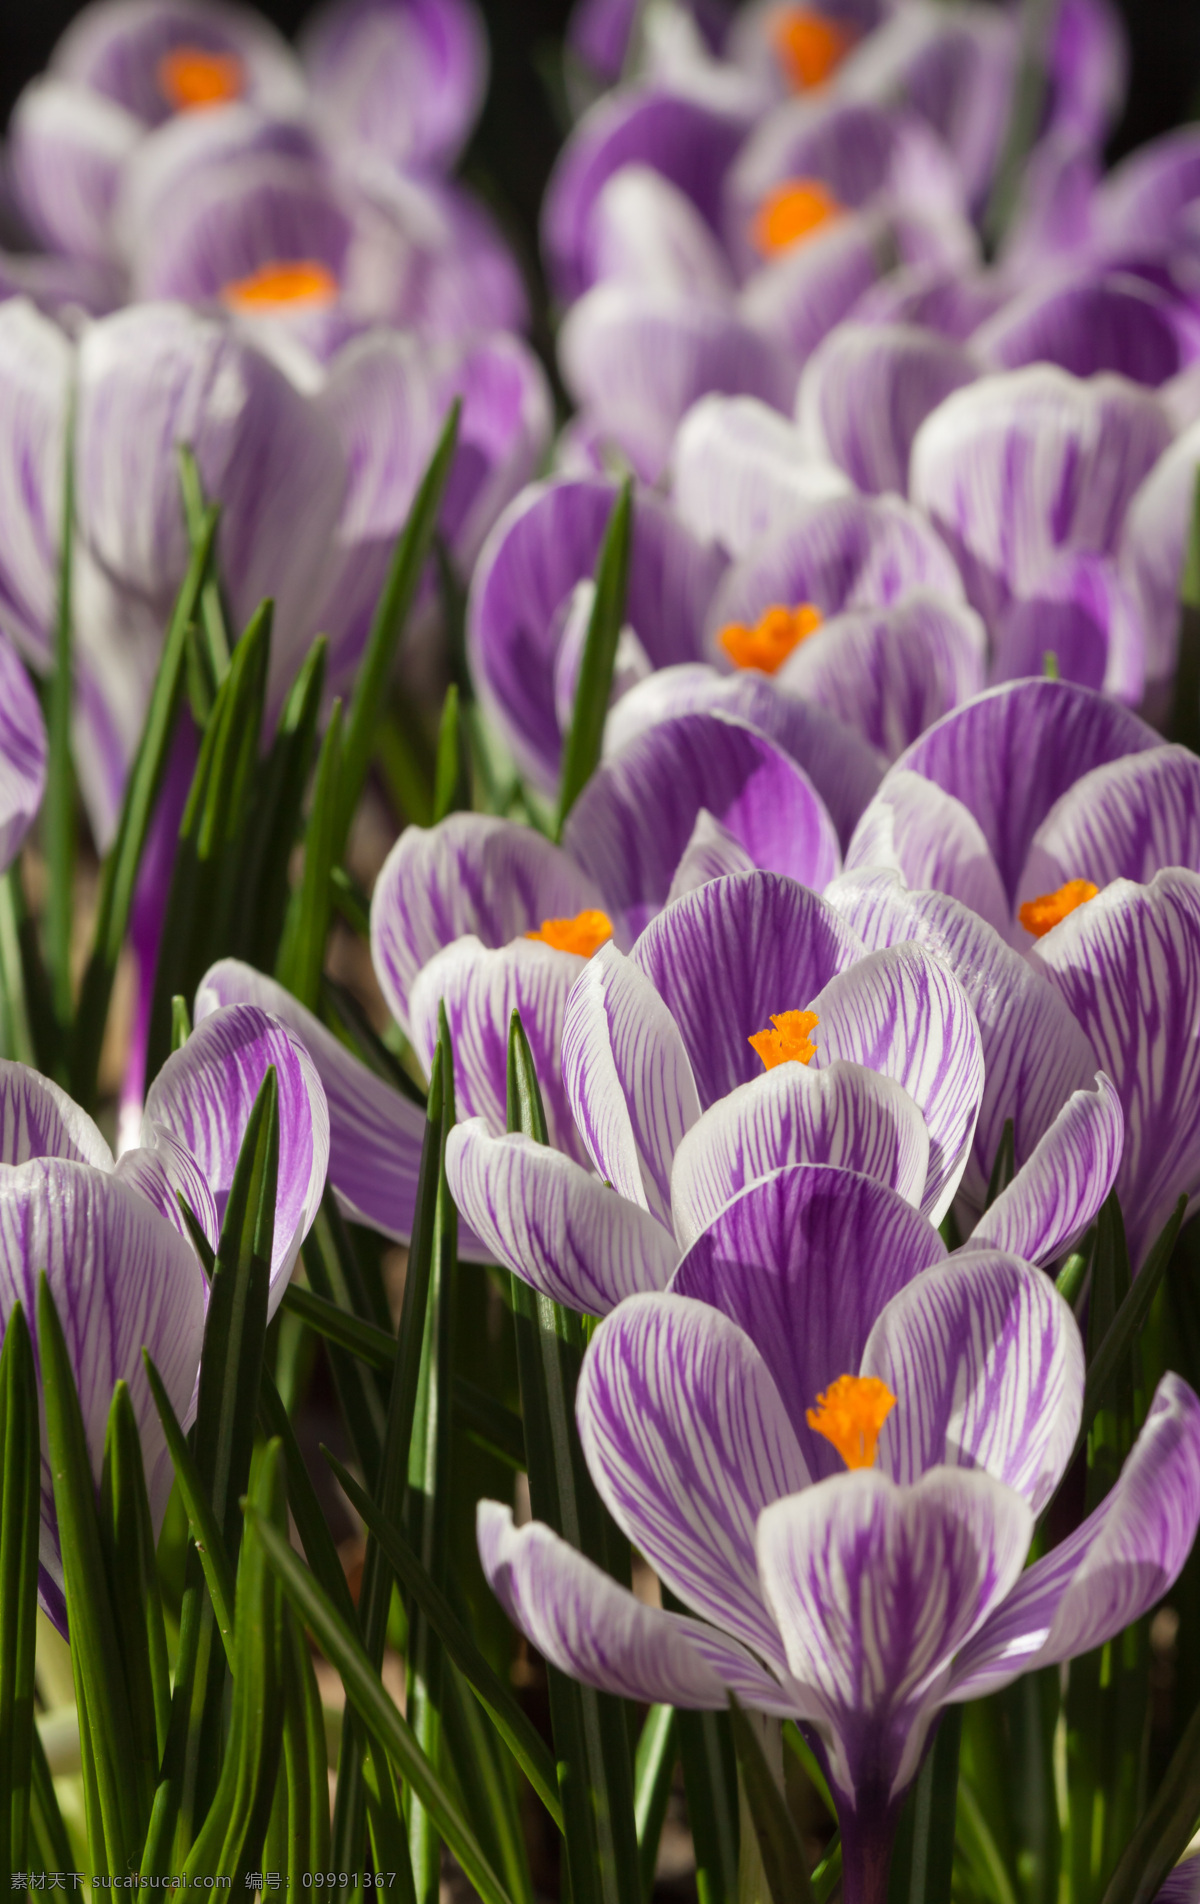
(112, 1239)
(402, 79)
(692, 1068)
(832, 1445)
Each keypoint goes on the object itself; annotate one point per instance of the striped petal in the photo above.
(1081, 612)
(843, 1115)
(803, 1262)
(1128, 966)
(874, 1589)
(38, 1119)
(1057, 1194)
(739, 472)
(1113, 1568)
(914, 829)
(865, 392)
(581, 1621)
(644, 231)
(729, 957)
(902, 1012)
(574, 1238)
(632, 823)
(35, 370)
(163, 1170)
(986, 1362)
(687, 1441)
(1034, 1053)
(481, 989)
(1124, 821)
(23, 750)
(1154, 540)
(406, 81)
(1009, 755)
(1115, 323)
(628, 1079)
(67, 148)
(375, 1134)
(889, 672)
(204, 1095)
(470, 874)
(121, 1278)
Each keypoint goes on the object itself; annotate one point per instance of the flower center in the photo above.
(768, 644)
(583, 935)
(191, 78)
(1039, 916)
(285, 282)
(850, 1414)
(808, 45)
(789, 1043)
(792, 212)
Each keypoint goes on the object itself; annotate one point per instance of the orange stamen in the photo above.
(583, 935)
(789, 1043)
(303, 281)
(792, 212)
(1041, 915)
(190, 78)
(850, 1414)
(768, 644)
(808, 45)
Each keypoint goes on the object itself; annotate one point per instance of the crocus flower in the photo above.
(401, 78)
(1110, 321)
(1154, 541)
(832, 1446)
(865, 393)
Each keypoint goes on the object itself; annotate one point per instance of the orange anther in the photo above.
(791, 212)
(283, 282)
(789, 1042)
(191, 78)
(768, 644)
(583, 935)
(809, 45)
(851, 1414)
(1041, 915)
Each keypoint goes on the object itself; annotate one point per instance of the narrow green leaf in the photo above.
(20, 1526)
(488, 1790)
(653, 1769)
(1005, 1165)
(364, 1340)
(276, 817)
(488, 1422)
(710, 1786)
(311, 1524)
(581, 752)
(451, 792)
(979, 1848)
(1165, 1829)
(519, 1734)
(58, 804)
(923, 1858)
(211, 618)
(1073, 1274)
(1130, 1318)
(302, 953)
(828, 1873)
(351, 901)
(115, 1825)
(181, 1022)
(363, 1688)
(348, 1022)
(306, 1766)
(408, 563)
(779, 1846)
(1024, 119)
(118, 875)
(127, 1532)
(334, 1275)
(804, 1755)
(16, 1028)
(207, 1535)
(406, 772)
(1184, 725)
(49, 1842)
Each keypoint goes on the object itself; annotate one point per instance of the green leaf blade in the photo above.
(581, 754)
(20, 1526)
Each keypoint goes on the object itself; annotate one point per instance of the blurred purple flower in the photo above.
(403, 78)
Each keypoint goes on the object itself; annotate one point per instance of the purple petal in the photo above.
(1009, 754)
(67, 146)
(643, 231)
(858, 552)
(1142, 200)
(1083, 614)
(404, 78)
(690, 143)
(580, 1620)
(1128, 966)
(638, 359)
(162, 1170)
(986, 1364)
(803, 1261)
(1022, 464)
(844, 1115)
(204, 1095)
(22, 753)
(874, 1589)
(1111, 324)
(1153, 543)
(118, 51)
(546, 542)
(470, 874)
(480, 990)
(1056, 1195)
(729, 957)
(574, 1238)
(902, 1012)
(798, 298)
(890, 672)
(912, 828)
(938, 296)
(687, 1441)
(1088, 68)
(375, 1133)
(35, 370)
(632, 823)
(844, 770)
(711, 853)
(865, 393)
(628, 1079)
(121, 1278)
(1111, 1569)
(1034, 1053)
(739, 472)
(38, 1119)
(1123, 821)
